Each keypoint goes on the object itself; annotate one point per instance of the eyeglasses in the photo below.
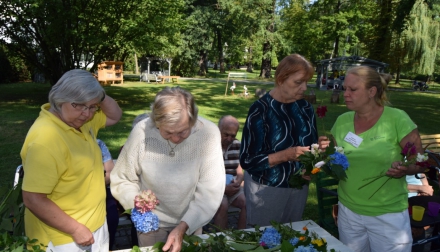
(83, 108)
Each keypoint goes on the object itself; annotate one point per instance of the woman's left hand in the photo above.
(397, 170)
(175, 238)
(323, 142)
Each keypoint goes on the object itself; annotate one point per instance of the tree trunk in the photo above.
(266, 62)
(221, 58)
(136, 65)
(250, 66)
(398, 75)
(336, 47)
(381, 48)
(202, 63)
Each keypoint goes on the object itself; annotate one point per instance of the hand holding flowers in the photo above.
(332, 161)
(142, 216)
(399, 169)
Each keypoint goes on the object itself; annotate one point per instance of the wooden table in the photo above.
(332, 242)
(175, 77)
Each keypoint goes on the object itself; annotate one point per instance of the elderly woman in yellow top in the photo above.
(63, 186)
(177, 155)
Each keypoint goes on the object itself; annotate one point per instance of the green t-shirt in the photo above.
(379, 148)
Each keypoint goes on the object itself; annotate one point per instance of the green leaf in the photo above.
(339, 172)
(243, 247)
(260, 248)
(286, 246)
(18, 249)
(6, 224)
(136, 249)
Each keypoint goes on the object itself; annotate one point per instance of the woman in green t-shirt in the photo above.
(374, 217)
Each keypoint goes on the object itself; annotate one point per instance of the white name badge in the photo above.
(353, 139)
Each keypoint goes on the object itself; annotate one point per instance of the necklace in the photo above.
(171, 153)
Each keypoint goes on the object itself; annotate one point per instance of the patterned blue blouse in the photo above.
(272, 126)
(106, 156)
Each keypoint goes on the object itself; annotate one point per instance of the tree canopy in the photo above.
(54, 36)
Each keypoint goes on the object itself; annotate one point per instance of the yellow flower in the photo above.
(315, 170)
(302, 238)
(318, 242)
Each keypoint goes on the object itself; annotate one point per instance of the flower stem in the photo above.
(380, 187)
(374, 179)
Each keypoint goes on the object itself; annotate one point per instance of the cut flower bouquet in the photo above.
(279, 237)
(332, 161)
(142, 216)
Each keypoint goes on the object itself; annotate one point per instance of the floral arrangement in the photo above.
(279, 237)
(142, 216)
(410, 156)
(332, 161)
(409, 151)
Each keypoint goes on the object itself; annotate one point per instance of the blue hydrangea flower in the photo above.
(339, 159)
(294, 241)
(270, 237)
(145, 222)
(305, 249)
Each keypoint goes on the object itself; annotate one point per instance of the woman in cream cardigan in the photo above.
(177, 155)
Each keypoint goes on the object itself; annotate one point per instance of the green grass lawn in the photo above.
(20, 105)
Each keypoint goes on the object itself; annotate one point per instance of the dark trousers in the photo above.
(112, 217)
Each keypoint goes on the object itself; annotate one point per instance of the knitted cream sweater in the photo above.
(189, 186)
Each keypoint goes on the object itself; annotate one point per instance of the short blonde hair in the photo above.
(170, 104)
(292, 64)
(372, 78)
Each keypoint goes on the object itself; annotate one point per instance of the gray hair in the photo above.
(228, 119)
(77, 86)
(169, 105)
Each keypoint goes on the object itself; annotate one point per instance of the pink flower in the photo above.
(409, 150)
(146, 201)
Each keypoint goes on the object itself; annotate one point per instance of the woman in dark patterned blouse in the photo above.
(280, 126)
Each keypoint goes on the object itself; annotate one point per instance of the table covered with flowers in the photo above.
(307, 236)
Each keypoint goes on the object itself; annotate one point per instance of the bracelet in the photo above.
(103, 97)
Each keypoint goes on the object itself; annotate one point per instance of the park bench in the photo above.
(172, 78)
(237, 75)
(431, 143)
(149, 77)
(233, 75)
